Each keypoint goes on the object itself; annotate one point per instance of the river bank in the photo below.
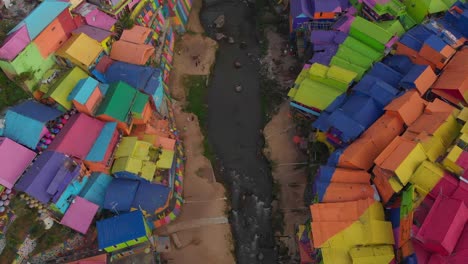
(204, 197)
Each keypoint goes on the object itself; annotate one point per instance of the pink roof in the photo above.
(14, 159)
(99, 19)
(77, 136)
(14, 44)
(80, 215)
(443, 225)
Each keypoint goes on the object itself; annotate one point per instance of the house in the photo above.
(300, 13)
(61, 89)
(420, 77)
(80, 50)
(370, 33)
(139, 54)
(152, 198)
(14, 159)
(132, 230)
(100, 157)
(86, 96)
(114, 200)
(148, 14)
(30, 45)
(146, 79)
(104, 37)
(138, 35)
(383, 10)
(114, 8)
(95, 188)
(48, 176)
(408, 107)
(77, 136)
(66, 198)
(94, 17)
(120, 106)
(27, 122)
(80, 215)
(136, 159)
(98, 259)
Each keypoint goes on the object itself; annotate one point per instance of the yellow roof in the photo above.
(64, 86)
(426, 177)
(141, 150)
(126, 146)
(372, 254)
(148, 169)
(463, 115)
(165, 159)
(127, 164)
(81, 48)
(409, 165)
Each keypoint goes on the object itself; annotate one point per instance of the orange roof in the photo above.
(429, 122)
(137, 34)
(455, 74)
(380, 180)
(449, 97)
(408, 107)
(343, 192)
(394, 154)
(322, 231)
(362, 152)
(350, 176)
(425, 80)
(341, 212)
(131, 53)
(439, 106)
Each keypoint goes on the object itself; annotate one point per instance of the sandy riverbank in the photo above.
(204, 196)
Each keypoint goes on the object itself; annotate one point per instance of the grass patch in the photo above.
(18, 230)
(10, 92)
(48, 238)
(196, 91)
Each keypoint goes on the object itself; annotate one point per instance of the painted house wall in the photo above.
(29, 60)
(55, 34)
(105, 165)
(127, 244)
(122, 126)
(145, 116)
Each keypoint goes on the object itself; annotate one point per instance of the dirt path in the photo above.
(282, 151)
(214, 243)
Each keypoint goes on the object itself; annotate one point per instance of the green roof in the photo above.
(362, 48)
(118, 101)
(314, 94)
(369, 33)
(139, 103)
(64, 86)
(393, 27)
(332, 76)
(353, 57)
(337, 61)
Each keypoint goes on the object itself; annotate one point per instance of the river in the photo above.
(235, 120)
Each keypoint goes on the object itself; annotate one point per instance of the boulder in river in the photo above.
(238, 88)
(219, 21)
(231, 40)
(237, 64)
(219, 36)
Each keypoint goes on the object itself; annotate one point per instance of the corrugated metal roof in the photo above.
(120, 229)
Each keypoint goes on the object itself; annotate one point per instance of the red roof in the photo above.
(77, 136)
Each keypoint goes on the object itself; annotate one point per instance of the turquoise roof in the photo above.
(41, 17)
(99, 149)
(83, 90)
(73, 189)
(96, 187)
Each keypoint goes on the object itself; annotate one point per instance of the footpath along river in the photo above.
(235, 120)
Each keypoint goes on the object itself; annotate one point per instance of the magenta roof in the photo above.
(14, 159)
(14, 44)
(79, 215)
(77, 136)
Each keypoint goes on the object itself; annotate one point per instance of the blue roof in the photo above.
(419, 32)
(40, 175)
(436, 43)
(334, 157)
(362, 109)
(143, 78)
(99, 149)
(120, 229)
(407, 82)
(321, 123)
(114, 199)
(96, 187)
(151, 197)
(83, 90)
(386, 74)
(25, 122)
(411, 42)
(325, 173)
(399, 63)
(348, 127)
(41, 17)
(382, 92)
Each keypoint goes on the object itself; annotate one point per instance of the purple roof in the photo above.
(47, 176)
(327, 36)
(327, 6)
(95, 33)
(14, 44)
(324, 57)
(301, 7)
